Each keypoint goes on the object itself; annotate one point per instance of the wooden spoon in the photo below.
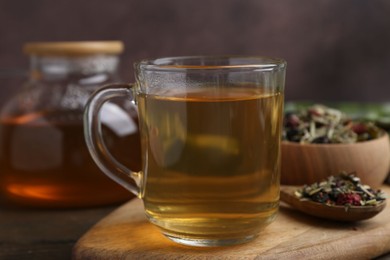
(339, 213)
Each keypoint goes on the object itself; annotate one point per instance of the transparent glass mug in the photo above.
(210, 138)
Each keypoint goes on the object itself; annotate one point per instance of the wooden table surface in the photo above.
(47, 234)
(44, 234)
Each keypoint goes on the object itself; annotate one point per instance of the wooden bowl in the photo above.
(309, 163)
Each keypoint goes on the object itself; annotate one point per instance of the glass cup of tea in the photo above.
(210, 139)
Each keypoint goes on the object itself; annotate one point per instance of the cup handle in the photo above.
(94, 139)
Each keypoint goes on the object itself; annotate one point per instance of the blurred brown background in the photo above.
(336, 50)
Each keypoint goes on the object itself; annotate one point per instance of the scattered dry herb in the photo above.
(344, 189)
(321, 124)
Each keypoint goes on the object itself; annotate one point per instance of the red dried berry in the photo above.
(292, 120)
(359, 128)
(350, 198)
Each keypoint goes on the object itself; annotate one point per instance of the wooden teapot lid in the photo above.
(77, 48)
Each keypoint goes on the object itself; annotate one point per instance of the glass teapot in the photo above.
(44, 160)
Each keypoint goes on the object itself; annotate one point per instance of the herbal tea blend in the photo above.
(321, 124)
(344, 190)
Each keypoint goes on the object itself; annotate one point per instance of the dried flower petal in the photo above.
(348, 198)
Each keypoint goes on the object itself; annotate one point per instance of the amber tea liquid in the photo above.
(211, 160)
(44, 161)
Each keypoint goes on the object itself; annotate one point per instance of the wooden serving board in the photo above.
(126, 234)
